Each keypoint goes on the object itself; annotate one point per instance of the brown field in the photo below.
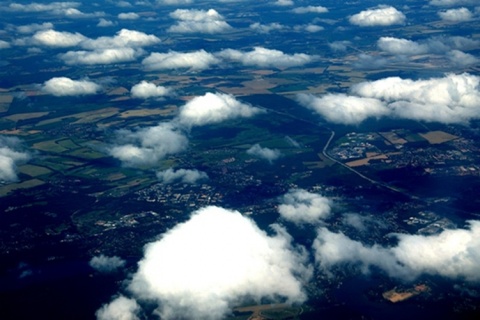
(33, 170)
(365, 161)
(393, 138)
(26, 116)
(85, 117)
(437, 137)
(148, 112)
(4, 190)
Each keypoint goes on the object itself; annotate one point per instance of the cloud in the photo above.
(147, 146)
(34, 27)
(105, 23)
(462, 59)
(4, 44)
(198, 21)
(451, 3)
(380, 16)
(283, 3)
(174, 2)
(312, 28)
(11, 155)
(197, 60)
(341, 108)
(123, 38)
(451, 99)
(265, 58)
(266, 28)
(105, 56)
(182, 175)
(456, 15)
(398, 46)
(128, 16)
(300, 206)
(145, 90)
(63, 86)
(340, 45)
(452, 253)
(121, 308)
(214, 108)
(106, 264)
(40, 7)
(202, 268)
(264, 153)
(310, 9)
(52, 38)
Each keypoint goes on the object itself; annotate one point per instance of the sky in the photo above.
(424, 58)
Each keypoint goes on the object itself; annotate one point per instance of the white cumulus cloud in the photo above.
(264, 153)
(214, 108)
(4, 44)
(128, 16)
(121, 308)
(63, 86)
(398, 46)
(310, 9)
(42, 7)
(204, 267)
(266, 28)
(145, 90)
(101, 56)
(300, 206)
(11, 155)
(60, 39)
(123, 38)
(198, 21)
(182, 175)
(147, 146)
(380, 16)
(34, 27)
(197, 60)
(264, 58)
(106, 264)
(456, 15)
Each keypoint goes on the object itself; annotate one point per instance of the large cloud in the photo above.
(451, 99)
(264, 153)
(300, 206)
(147, 146)
(123, 38)
(456, 15)
(198, 21)
(265, 58)
(182, 175)
(63, 86)
(197, 60)
(214, 108)
(452, 253)
(10, 156)
(400, 46)
(380, 16)
(202, 268)
(52, 38)
(145, 90)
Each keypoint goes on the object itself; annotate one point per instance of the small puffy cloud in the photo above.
(197, 60)
(380, 16)
(204, 267)
(312, 28)
(34, 27)
(452, 253)
(264, 153)
(145, 90)
(123, 38)
(42, 7)
(214, 108)
(265, 58)
(4, 44)
(340, 45)
(300, 206)
(105, 23)
(128, 16)
(121, 308)
(266, 28)
(198, 21)
(462, 59)
(341, 108)
(451, 99)
(147, 146)
(456, 15)
(175, 2)
(182, 175)
(105, 56)
(11, 155)
(451, 3)
(106, 264)
(63, 86)
(398, 46)
(284, 3)
(59, 39)
(75, 13)
(310, 9)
